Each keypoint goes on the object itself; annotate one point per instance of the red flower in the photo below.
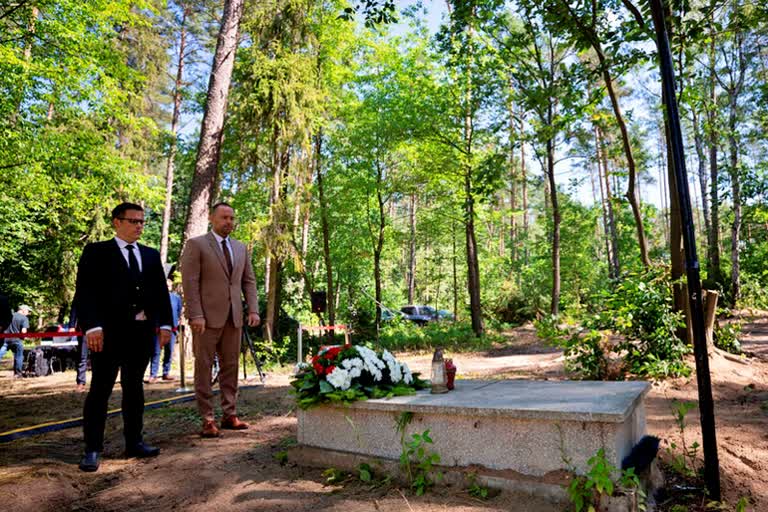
(331, 353)
(329, 370)
(319, 369)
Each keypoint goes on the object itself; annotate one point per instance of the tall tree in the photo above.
(550, 87)
(173, 145)
(586, 23)
(202, 192)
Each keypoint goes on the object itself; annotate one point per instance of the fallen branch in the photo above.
(406, 500)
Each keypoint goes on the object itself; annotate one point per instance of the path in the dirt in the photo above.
(242, 471)
(754, 336)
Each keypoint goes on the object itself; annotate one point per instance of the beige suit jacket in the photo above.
(210, 291)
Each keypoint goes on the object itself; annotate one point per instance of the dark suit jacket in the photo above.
(5, 312)
(104, 288)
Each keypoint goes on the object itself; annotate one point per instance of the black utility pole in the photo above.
(706, 404)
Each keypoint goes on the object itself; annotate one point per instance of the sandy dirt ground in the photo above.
(245, 471)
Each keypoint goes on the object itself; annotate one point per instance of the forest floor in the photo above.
(245, 471)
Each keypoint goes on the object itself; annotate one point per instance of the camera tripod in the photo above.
(246, 346)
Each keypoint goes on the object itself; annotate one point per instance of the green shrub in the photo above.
(585, 350)
(640, 308)
(727, 337)
(752, 292)
(456, 337)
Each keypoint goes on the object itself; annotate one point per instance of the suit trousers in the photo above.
(126, 350)
(224, 341)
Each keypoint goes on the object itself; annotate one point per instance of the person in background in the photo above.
(82, 351)
(19, 325)
(168, 349)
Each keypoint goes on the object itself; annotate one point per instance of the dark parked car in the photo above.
(444, 314)
(419, 314)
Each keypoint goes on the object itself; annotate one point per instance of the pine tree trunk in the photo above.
(607, 231)
(473, 266)
(169, 168)
(412, 250)
(524, 183)
(455, 274)
(273, 270)
(614, 235)
(713, 239)
(512, 185)
(677, 267)
(555, 305)
(734, 91)
(702, 169)
(473, 269)
(212, 130)
(379, 246)
(736, 196)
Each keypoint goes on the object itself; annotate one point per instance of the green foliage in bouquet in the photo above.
(347, 373)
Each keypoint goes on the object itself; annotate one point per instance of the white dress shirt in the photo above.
(122, 244)
(229, 245)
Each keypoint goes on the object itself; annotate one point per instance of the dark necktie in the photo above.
(227, 256)
(133, 263)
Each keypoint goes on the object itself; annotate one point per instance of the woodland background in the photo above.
(508, 162)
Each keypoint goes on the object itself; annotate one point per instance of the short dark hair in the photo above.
(120, 209)
(221, 203)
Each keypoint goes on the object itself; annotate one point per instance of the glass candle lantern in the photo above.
(438, 372)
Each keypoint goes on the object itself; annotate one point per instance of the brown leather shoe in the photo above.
(169, 377)
(209, 429)
(233, 423)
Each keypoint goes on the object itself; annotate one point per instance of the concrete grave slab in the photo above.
(527, 428)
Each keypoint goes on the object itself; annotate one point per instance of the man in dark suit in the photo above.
(121, 299)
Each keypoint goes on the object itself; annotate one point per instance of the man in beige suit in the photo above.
(216, 272)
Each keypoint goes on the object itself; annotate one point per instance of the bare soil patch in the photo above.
(245, 470)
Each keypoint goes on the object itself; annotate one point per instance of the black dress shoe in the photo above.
(142, 450)
(90, 461)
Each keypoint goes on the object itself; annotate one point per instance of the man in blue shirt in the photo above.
(19, 324)
(168, 349)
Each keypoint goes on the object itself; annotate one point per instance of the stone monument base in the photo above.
(519, 435)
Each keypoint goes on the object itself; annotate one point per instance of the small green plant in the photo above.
(727, 337)
(682, 459)
(364, 472)
(334, 476)
(475, 489)
(722, 506)
(419, 463)
(585, 491)
(478, 491)
(281, 457)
